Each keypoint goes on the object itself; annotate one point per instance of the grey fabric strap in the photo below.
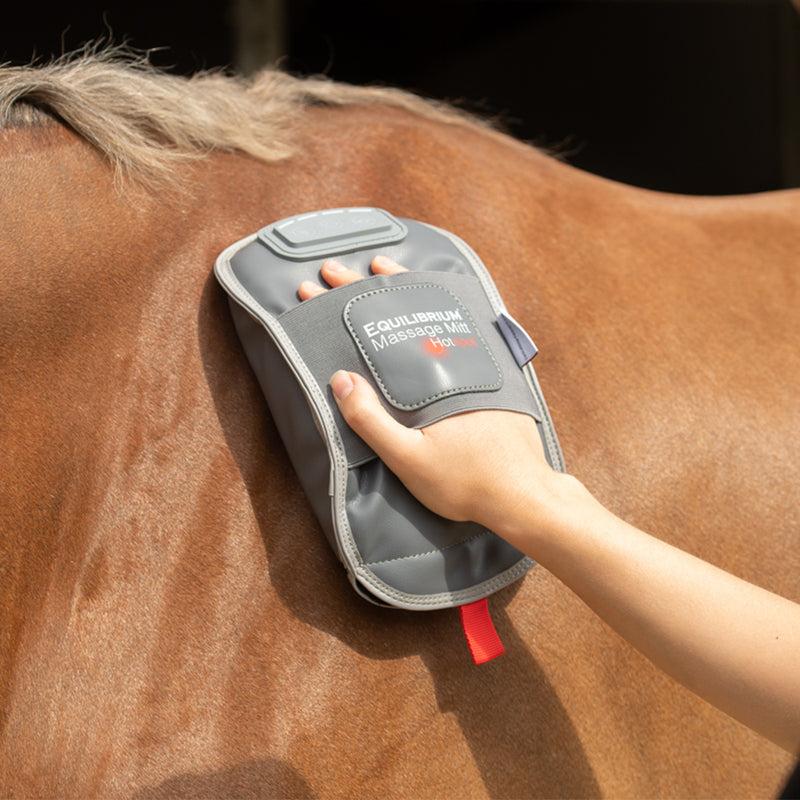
(435, 341)
(319, 331)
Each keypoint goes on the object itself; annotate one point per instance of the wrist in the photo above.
(544, 513)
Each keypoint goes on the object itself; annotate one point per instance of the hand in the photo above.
(479, 465)
(729, 641)
(337, 274)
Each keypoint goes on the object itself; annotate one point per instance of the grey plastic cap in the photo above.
(333, 232)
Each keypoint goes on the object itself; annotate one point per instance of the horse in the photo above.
(173, 622)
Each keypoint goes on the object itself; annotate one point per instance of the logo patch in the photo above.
(420, 344)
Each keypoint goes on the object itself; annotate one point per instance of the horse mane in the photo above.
(146, 121)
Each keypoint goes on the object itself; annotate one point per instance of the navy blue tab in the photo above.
(519, 343)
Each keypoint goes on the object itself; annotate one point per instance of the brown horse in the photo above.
(173, 622)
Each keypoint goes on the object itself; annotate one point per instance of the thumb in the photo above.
(364, 413)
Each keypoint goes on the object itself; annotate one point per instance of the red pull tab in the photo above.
(482, 638)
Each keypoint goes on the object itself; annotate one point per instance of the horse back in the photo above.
(176, 622)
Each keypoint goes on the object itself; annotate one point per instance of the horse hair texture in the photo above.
(146, 121)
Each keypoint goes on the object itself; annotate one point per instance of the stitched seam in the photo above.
(343, 533)
(489, 287)
(341, 522)
(427, 552)
(445, 599)
(430, 398)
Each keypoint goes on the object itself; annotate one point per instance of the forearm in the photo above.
(732, 643)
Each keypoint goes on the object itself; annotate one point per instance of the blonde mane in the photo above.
(146, 121)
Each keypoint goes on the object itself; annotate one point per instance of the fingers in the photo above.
(337, 274)
(383, 265)
(334, 273)
(309, 289)
(364, 413)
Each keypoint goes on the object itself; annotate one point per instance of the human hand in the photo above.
(489, 467)
(479, 465)
(337, 274)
